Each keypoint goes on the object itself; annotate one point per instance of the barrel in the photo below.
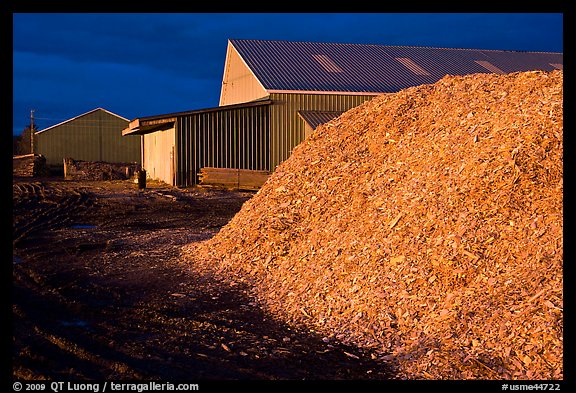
(142, 179)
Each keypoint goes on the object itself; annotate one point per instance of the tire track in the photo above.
(38, 207)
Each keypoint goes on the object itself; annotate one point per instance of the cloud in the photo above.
(170, 43)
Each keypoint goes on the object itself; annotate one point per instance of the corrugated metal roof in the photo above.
(489, 66)
(316, 118)
(145, 124)
(368, 68)
(263, 101)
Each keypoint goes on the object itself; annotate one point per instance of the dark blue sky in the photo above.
(143, 64)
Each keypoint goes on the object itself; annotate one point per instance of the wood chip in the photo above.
(395, 220)
(351, 355)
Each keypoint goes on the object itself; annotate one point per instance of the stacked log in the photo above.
(232, 178)
(29, 165)
(98, 170)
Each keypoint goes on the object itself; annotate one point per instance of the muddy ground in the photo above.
(99, 293)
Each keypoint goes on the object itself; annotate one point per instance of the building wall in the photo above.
(288, 129)
(96, 136)
(226, 138)
(239, 83)
(158, 149)
(118, 148)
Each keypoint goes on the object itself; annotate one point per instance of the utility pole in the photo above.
(32, 131)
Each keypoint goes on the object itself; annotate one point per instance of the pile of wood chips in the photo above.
(424, 226)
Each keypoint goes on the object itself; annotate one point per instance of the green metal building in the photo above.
(274, 93)
(93, 136)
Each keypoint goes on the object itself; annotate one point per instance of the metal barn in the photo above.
(93, 136)
(274, 93)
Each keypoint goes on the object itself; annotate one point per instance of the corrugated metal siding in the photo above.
(227, 138)
(291, 66)
(115, 147)
(95, 136)
(287, 128)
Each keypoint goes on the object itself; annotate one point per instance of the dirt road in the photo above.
(98, 293)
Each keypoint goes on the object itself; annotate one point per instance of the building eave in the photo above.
(144, 125)
(326, 92)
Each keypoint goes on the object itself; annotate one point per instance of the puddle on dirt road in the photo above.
(82, 226)
(76, 323)
(16, 260)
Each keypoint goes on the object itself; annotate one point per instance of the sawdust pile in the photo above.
(424, 225)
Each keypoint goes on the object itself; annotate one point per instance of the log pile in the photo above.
(29, 165)
(98, 170)
(425, 226)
